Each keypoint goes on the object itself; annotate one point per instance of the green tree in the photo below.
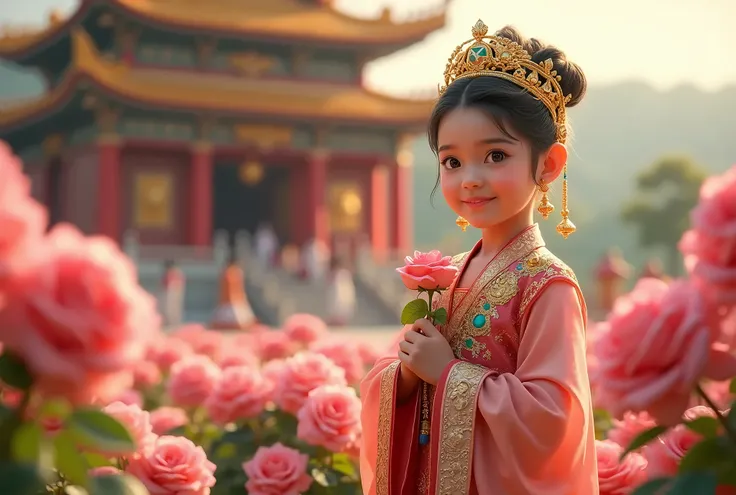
(666, 191)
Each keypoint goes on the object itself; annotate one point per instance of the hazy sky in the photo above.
(663, 42)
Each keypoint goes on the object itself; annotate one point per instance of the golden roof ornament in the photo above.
(496, 56)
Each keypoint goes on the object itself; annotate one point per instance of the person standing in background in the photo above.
(340, 294)
(173, 284)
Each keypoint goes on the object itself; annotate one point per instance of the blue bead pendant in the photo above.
(423, 439)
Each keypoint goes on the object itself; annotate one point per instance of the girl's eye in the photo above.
(497, 156)
(451, 162)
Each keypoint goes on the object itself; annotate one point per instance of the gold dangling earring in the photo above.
(462, 223)
(545, 207)
(565, 227)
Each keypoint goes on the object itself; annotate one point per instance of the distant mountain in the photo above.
(618, 130)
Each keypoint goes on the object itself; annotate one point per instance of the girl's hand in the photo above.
(425, 351)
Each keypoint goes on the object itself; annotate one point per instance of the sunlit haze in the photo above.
(663, 42)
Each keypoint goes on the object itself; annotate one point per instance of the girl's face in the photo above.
(486, 175)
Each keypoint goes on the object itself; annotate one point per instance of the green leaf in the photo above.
(325, 477)
(13, 371)
(116, 485)
(732, 386)
(713, 455)
(414, 311)
(644, 438)
(705, 426)
(21, 479)
(100, 431)
(7, 430)
(440, 316)
(344, 465)
(69, 460)
(26, 444)
(656, 486)
(95, 460)
(226, 451)
(694, 484)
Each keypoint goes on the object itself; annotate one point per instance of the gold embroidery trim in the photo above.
(455, 456)
(525, 244)
(385, 423)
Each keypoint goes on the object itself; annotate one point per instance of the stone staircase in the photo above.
(273, 293)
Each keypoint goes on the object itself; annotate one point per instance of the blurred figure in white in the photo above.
(340, 294)
(315, 259)
(173, 285)
(266, 244)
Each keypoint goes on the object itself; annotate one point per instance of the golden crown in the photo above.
(495, 56)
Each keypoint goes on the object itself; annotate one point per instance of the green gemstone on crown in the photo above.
(477, 52)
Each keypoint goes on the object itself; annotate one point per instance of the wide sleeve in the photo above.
(531, 431)
(386, 451)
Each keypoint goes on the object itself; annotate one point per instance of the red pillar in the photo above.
(317, 185)
(403, 224)
(200, 200)
(379, 211)
(108, 194)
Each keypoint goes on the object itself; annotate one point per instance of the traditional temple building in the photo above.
(177, 118)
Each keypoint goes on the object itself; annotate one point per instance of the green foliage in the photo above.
(22, 478)
(99, 431)
(116, 485)
(13, 371)
(666, 192)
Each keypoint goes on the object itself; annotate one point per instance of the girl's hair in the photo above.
(510, 106)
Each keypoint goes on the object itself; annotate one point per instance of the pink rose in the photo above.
(130, 397)
(720, 393)
(710, 246)
(192, 380)
(343, 353)
(277, 470)
(304, 328)
(618, 478)
(654, 350)
(272, 370)
(22, 219)
(174, 466)
(78, 318)
(664, 453)
(368, 353)
(626, 429)
(166, 351)
(237, 357)
(165, 419)
(146, 374)
(203, 341)
(300, 375)
(240, 393)
(330, 418)
(428, 271)
(274, 345)
(136, 421)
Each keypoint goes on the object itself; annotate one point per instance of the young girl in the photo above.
(507, 401)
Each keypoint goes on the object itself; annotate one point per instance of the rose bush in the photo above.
(662, 365)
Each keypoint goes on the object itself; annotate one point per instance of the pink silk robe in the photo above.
(512, 415)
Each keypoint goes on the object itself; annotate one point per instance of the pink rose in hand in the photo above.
(300, 375)
(304, 328)
(654, 350)
(710, 246)
(330, 418)
(164, 419)
(429, 271)
(192, 380)
(240, 393)
(136, 421)
(277, 470)
(618, 477)
(174, 466)
(79, 319)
